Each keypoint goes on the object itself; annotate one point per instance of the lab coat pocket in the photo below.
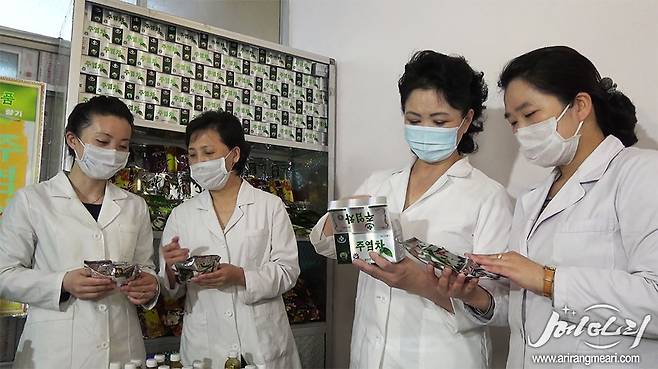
(436, 325)
(274, 332)
(127, 242)
(449, 319)
(46, 342)
(586, 243)
(257, 246)
(195, 334)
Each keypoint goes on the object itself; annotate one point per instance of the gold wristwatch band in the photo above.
(549, 277)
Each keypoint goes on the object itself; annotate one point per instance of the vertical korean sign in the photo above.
(21, 129)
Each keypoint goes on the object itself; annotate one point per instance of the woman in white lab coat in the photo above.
(439, 198)
(49, 230)
(239, 306)
(584, 243)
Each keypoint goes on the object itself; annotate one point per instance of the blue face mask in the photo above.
(432, 144)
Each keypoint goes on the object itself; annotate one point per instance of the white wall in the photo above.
(372, 39)
(257, 18)
(44, 17)
(50, 18)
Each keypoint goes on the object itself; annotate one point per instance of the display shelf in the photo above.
(296, 145)
(11, 329)
(177, 128)
(168, 69)
(162, 344)
(309, 328)
(168, 18)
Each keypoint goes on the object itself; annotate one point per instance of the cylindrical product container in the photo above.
(363, 225)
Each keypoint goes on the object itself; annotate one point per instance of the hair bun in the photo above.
(608, 85)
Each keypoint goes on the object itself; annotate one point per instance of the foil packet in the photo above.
(119, 272)
(194, 266)
(441, 258)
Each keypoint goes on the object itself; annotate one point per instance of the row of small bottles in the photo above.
(160, 361)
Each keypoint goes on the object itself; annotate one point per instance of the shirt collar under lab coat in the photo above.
(591, 170)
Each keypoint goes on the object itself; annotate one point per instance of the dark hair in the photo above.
(229, 129)
(462, 87)
(80, 117)
(563, 72)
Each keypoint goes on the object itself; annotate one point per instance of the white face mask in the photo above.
(99, 163)
(432, 144)
(542, 145)
(212, 175)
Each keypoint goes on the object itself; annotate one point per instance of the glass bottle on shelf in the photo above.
(174, 361)
(151, 364)
(137, 362)
(232, 362)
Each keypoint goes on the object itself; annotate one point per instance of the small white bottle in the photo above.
(198, 364)
(174, 361)
(151, 364)
(137, 362)
(160, 358)
(115, 365)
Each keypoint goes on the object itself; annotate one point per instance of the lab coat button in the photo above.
(105, 345)
(97, 236)
(234, 347)
(229, 314)
(102, 308)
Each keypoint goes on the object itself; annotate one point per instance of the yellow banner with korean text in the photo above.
(21, 135)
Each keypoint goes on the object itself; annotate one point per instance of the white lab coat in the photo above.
(601, 232)
(45, 232)
(252, 319)
(464, 211)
